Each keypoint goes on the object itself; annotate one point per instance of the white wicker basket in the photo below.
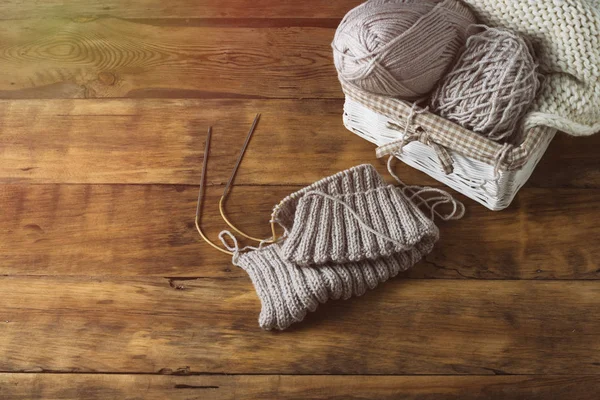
(483, 170)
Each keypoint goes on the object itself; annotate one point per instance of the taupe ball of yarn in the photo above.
(400, 48)
(492, 85)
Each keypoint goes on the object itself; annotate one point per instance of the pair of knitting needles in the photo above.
(223, 199)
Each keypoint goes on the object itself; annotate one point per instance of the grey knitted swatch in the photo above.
(345, 234)
(326, 230)
(288, 291)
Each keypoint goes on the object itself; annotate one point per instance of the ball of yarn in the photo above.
(492, 85)
(400, 48)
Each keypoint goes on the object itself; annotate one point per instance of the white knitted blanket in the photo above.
(566, 37)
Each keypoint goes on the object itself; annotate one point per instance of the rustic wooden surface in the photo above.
(320, 387)
(107, 291)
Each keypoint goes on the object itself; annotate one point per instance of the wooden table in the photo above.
(108, 292)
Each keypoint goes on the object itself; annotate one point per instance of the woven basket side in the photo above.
(450, 135)
(471, 177)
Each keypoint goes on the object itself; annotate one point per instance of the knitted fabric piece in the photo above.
(325, 230)
(288, 290)
(354, 180)
(566, 37)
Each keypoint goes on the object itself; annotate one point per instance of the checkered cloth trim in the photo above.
(448, 134)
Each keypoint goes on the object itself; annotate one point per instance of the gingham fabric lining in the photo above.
(450, 135)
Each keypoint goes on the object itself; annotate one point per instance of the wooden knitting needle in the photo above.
(241, 155)
(227, 189)
(201, 195)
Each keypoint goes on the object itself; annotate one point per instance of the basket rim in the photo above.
(451, 135)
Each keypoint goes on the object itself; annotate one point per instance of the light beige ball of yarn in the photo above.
(400, 48)
(492, 85)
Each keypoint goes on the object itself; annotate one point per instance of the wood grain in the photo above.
(152, 325)
(285, 387)
(147, 230)
(162, 141)
(107, 291)
(110, 57)
(19, 9)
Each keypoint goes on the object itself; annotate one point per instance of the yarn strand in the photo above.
(416, 192)
(361, 222)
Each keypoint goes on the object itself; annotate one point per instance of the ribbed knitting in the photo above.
(325, 230)
(288, 291)
(359, 231)
(353, 180)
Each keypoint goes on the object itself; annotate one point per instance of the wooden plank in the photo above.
(134, 230)
(19, 9)
(162, 141)
(426, 327)
(568, 162)
(110, 57)
(283, 387)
